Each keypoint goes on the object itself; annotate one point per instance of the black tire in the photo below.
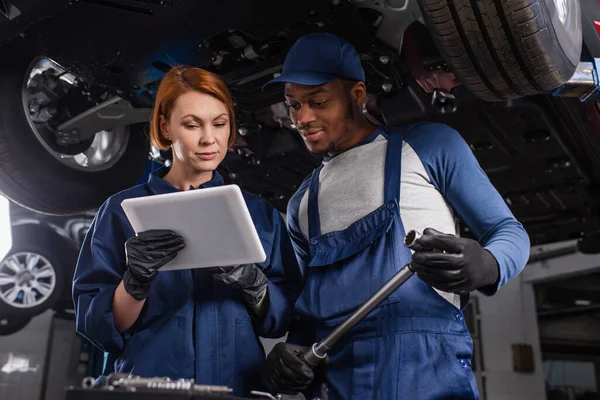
(60, 253)
(506, 49)
(8, 326)
(32, 177)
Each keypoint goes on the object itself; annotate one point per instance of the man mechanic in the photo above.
(347, 222)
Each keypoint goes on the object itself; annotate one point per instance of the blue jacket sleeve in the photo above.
(455, 172)
(99, 271)
(281, 268)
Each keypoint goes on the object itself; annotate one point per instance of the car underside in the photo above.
(541, 152)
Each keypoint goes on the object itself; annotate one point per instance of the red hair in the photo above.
(178, 81)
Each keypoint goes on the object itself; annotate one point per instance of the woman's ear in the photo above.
(164, 128)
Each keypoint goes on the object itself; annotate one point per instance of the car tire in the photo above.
(34, 178)
(8, 326)
(506, 49)
(49, 259)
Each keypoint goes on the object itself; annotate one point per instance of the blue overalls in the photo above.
(191, 325)
(416, 344)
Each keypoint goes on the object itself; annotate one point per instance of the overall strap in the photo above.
(393, 165)
(314, 221)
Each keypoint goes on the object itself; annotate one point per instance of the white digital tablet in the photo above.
(214, 222)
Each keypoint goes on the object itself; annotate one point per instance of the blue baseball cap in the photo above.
(318, 58)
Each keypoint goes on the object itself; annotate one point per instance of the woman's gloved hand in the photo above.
(284, 370)
(453, 264)
(247, 278)
(145, 254)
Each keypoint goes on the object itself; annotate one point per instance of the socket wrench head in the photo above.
(410, 240)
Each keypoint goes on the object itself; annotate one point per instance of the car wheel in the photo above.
(36, 272)
(37, 169)
(505, 49)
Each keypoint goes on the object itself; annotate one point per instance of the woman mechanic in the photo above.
(198, 323)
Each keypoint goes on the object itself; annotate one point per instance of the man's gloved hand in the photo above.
(453, 264)
(247, 278)
(145, 254)
(284, 370)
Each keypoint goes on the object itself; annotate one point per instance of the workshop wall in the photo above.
(41, 360)
(22, 360)
(509, 319)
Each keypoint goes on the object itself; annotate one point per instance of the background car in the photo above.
(36, 275)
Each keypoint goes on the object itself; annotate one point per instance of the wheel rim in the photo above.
(26, 280)
(569, 14)
(106, 148)
(562, 9)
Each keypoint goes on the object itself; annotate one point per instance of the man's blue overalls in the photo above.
(415, 345)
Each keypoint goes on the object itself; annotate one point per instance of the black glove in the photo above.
(453, 264)
(247, 278)
(145, 254)
(284, 370)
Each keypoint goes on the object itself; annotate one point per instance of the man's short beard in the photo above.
(347, 133)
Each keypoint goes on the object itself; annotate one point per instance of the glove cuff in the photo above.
(492, 269)
(136, 289)
(261, 307)
(253, 295)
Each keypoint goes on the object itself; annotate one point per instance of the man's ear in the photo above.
(359, 93)
(164, 128)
